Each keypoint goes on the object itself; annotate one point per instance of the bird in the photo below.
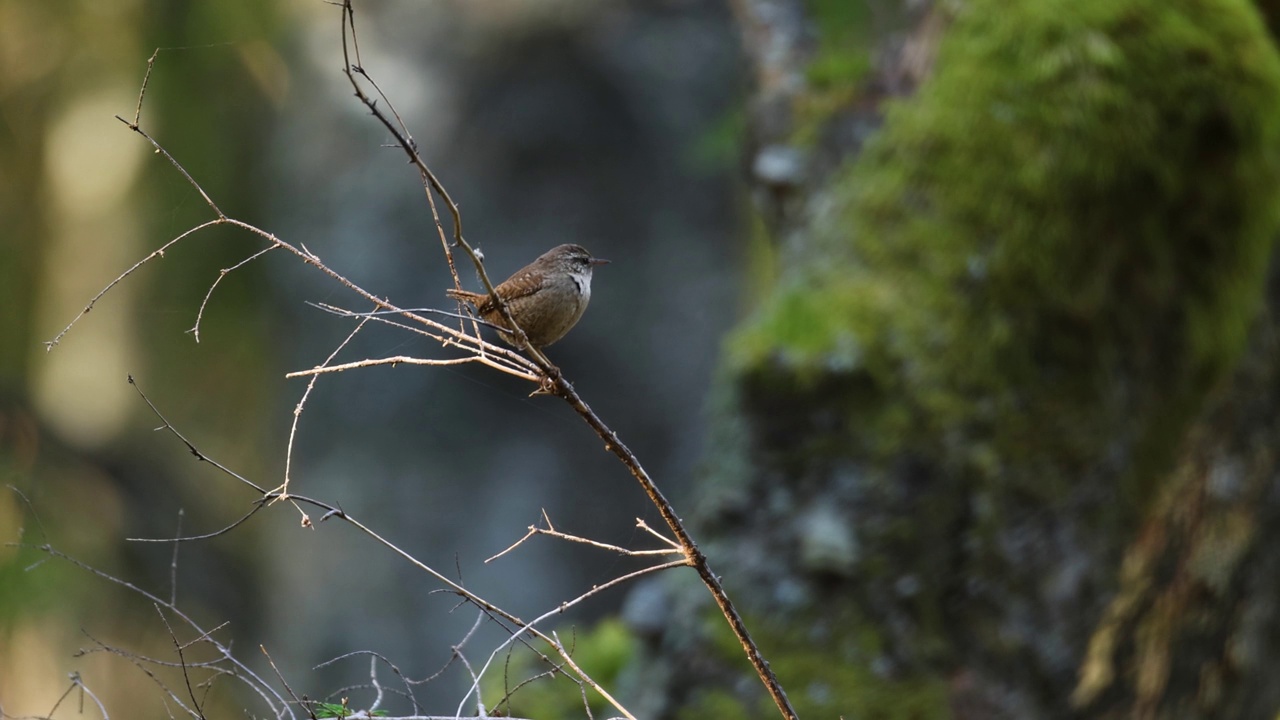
(546, 297)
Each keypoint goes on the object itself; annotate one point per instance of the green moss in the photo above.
(828, 673)
(840, 61)
(718, 149)
(844, 53)
(1057, 244)
(601, 653)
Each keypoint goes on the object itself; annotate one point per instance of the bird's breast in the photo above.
(583, 283)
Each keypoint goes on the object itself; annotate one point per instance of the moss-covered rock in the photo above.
(987, 340)
(1058, 243)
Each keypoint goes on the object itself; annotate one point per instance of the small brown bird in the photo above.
(546, 297)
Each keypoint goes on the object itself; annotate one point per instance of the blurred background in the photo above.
(952, 327)
(610, 125)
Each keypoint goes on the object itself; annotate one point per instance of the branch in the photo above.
(555, 384)
(533, 366)
(331, 511)
(534, 530)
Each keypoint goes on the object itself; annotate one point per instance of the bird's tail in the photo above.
(474, 298)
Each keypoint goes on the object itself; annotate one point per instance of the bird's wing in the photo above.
(514, 288)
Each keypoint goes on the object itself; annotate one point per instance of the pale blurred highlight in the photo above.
(94, 235)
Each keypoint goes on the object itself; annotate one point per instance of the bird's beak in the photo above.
(599, 261)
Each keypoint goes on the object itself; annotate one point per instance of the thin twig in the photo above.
(399, 360)
(173, 562)
(195, 329)
(186, 676)
(562, 388)
(645, 526)
(560, 650)
(297, 414)
(146, 78)
(49, 345)
(407, 693)
(552, 532)
(75, 681)
(432, 184)
(256, 507)
(335, 512)
(240, 670)
(373, 679)
(22, 531)
(285, 683)
(84, 689)
(142, 663)
(190, 447)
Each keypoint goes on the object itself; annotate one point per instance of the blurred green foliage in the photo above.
(827, 674)
(340, 710)
(77, 211)
(844, 49)
(601, 653)
(845, 39)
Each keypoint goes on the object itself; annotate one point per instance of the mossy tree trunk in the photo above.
(1000, 438)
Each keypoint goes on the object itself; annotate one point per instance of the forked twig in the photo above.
(195, 329)
(555, 642)
(297, 415)
(49, 345)
(182, 660)
(552, 532)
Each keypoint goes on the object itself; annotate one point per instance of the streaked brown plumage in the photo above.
(546, 298)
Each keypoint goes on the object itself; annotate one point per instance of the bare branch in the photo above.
(256, 507)
(555, 642)
(146, 78)
(302, 402)
(237, 668)
(190, 447)
(195, 329)
(173, 563)
(280, 677)
(186, 676)
(335, 512)
(158, 253)
(552, 532)
(645, 526)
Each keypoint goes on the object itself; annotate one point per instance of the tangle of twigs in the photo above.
(529, 364)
